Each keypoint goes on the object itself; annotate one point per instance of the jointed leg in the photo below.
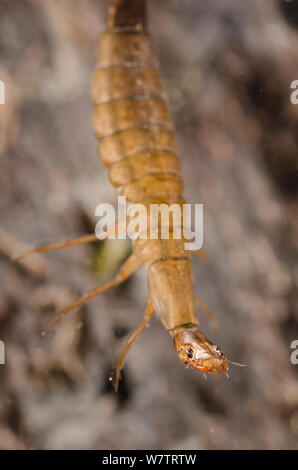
(56, 246)
(206, 310)
(147, 317)
(216, 383)
(119, 227)
(130, 265)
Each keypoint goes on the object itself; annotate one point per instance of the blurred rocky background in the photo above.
(227, 67)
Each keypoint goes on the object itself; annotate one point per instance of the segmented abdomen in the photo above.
(132, 121)
(137, 144)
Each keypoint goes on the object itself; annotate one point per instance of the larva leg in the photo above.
(200, 254)
(130, 265)
(56, 246)
(147, 317)
(118, 228)
(216, 383)
(206, 310)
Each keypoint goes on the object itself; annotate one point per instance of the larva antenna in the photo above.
(238, 364)
(127, 14)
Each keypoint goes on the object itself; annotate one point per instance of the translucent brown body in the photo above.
(137, 145)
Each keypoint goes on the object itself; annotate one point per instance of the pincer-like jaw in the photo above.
(196, 351)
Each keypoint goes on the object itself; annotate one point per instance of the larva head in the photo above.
(196, 351)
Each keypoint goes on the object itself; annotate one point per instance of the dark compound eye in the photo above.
(218, 350)
(189, 353)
